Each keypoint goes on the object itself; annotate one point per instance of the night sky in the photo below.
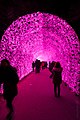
(68, 10)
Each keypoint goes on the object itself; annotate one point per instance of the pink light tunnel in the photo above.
(46, 37)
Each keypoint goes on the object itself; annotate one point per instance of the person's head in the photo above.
(5, 63)
(57, 65)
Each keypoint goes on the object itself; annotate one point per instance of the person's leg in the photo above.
(9, 104)
(33, 69)
(58, 90)
(39, 70)
(10, 107)
(36, 69)
(55, 90)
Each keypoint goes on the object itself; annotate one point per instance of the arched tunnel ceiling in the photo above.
(46, 37)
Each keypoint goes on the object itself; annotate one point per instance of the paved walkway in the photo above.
(36, 100)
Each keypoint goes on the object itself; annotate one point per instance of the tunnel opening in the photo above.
(46, 37)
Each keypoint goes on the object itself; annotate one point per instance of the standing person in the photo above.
(9, 78)
(37, 65)
(33, 65)
(57, 78)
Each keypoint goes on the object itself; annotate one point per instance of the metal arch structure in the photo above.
(46, 37)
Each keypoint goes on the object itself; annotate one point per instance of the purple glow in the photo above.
(46, 37)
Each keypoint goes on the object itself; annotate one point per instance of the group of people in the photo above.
(37, 65)
(56, 73)
(9, 78)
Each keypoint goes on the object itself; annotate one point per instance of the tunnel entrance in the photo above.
(46, 37)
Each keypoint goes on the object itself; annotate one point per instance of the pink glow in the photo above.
(46, 37)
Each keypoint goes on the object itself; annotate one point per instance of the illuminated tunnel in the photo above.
(45, 37)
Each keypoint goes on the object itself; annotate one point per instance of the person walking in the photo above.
(9, 78)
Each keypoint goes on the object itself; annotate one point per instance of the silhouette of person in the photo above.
(37, 65)
(46, 64)
(33, 65)
(57, 78)
(9, 78)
